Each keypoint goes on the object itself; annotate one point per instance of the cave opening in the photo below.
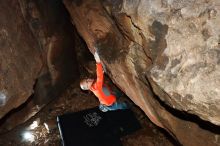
(47, 47)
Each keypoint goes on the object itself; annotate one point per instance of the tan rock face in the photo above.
(112, 45)
(168, 46)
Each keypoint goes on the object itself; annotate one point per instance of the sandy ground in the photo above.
(72, 100)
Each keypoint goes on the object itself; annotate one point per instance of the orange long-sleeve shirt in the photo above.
(97, 88)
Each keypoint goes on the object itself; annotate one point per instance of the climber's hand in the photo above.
(97, 59)
(96, 56)
(104, 68)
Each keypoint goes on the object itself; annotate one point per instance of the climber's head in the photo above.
(86, 84)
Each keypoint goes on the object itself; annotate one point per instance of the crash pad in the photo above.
(92, 127)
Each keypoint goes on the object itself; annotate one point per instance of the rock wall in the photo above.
(37, 57)
(163, 55)
(20, 60)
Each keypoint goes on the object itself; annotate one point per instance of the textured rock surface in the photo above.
(191, 73)
(143, 43)
(37, 57)
(20, 60)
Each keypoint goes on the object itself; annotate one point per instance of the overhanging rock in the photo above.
(168, 45)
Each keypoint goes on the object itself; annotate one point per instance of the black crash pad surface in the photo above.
(92, 127)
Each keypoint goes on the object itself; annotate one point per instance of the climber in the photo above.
(106, 97)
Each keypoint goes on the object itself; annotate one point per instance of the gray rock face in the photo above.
(191, 73)
(182, 39)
